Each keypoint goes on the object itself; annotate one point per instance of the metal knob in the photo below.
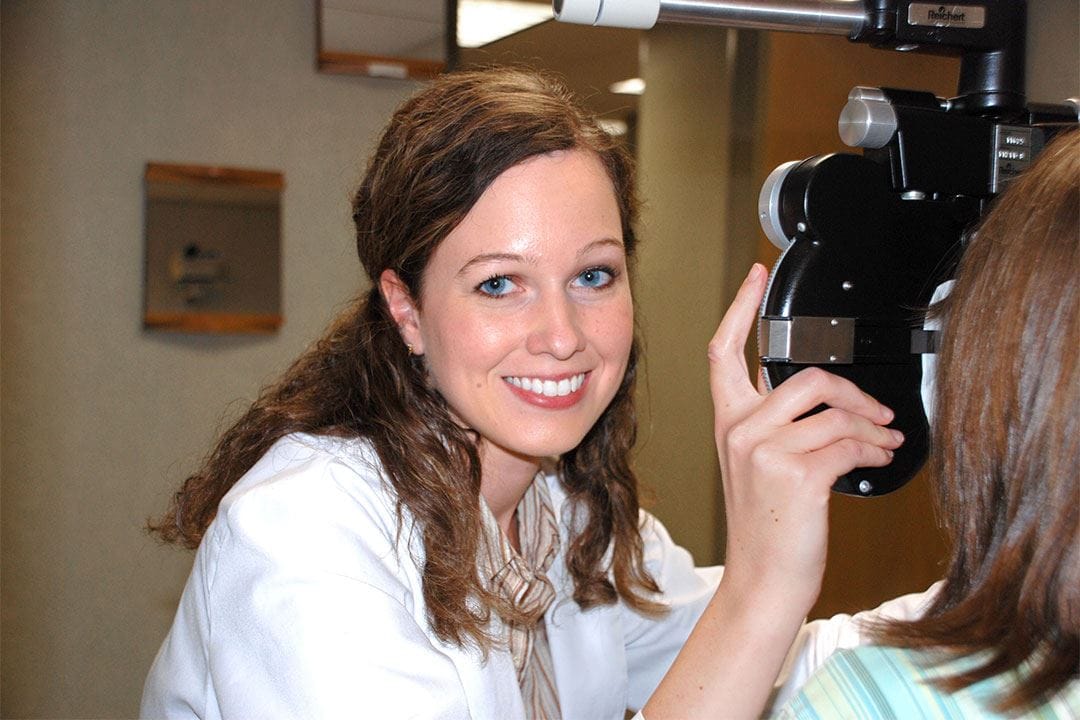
(769, 205)
(868, 120)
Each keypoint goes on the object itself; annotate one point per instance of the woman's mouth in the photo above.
(548, 388)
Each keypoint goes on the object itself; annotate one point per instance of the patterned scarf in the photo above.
(521, 579)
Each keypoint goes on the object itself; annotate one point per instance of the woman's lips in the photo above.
(555, 393)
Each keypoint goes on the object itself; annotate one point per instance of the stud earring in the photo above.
(409, 348)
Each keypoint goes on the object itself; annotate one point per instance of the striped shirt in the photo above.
(874, 682)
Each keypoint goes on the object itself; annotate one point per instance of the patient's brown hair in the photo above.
(1006, 442)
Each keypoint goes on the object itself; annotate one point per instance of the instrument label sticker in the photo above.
(957, 16)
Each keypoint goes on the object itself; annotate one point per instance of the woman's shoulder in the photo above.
(867, 678)
(308, 464)
(308, 486)
(883, 679)
(312, 517)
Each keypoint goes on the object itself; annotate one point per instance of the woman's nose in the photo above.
(556, 329)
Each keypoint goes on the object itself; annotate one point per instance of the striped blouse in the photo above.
(874, 682)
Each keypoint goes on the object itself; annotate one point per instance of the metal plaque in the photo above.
(953, 16)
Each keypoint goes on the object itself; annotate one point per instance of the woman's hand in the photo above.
(778, 471)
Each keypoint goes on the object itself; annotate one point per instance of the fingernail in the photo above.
(889, 414)
(755, 270)
(897, 435)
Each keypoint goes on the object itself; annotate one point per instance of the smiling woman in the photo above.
(433, 514)
(527, 318)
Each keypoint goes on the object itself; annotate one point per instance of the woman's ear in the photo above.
(403, 309)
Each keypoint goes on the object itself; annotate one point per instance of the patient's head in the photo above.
(1006, 438)
(1007, 411)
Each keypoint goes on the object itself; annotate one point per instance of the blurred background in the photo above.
(101, 418)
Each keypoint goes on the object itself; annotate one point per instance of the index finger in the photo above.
(728, 372)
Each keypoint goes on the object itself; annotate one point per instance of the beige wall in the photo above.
(100, 419)
(695, 169)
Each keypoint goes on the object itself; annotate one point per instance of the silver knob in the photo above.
(769, 205)
(868, 120)
(1074, 103)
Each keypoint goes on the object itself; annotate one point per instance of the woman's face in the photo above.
(526, 317)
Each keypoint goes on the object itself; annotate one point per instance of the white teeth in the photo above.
(549, 388)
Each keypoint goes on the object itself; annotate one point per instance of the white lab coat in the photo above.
(305, 602)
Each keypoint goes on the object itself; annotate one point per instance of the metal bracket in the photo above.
(806, 340)
(809, 340)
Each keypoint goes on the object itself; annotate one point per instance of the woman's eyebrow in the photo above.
(603, 242)
(487, 258)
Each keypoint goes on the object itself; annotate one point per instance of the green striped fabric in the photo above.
(885, 683)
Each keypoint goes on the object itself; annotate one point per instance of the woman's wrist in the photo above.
(769, 593)
(730, 662)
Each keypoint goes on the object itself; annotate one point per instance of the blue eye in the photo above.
(596, 278)
(496, 286)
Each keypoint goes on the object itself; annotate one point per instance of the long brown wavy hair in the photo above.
(1006, 442)
(440, 151)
